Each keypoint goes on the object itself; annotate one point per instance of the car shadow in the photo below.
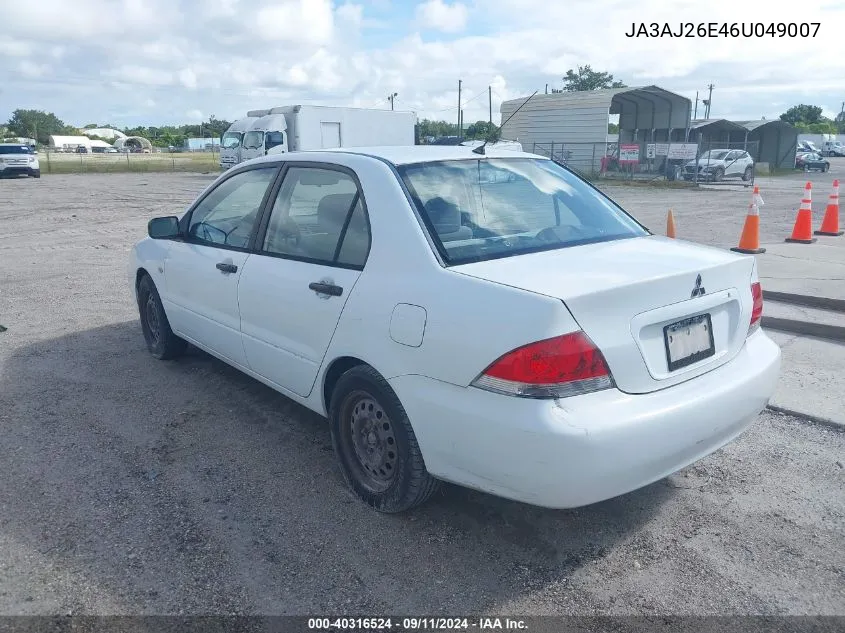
(186, 486)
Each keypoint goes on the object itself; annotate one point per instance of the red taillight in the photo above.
(757, 308)
(566, 365)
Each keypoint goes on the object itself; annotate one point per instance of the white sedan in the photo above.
(489, 319)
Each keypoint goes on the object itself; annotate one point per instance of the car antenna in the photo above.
(495, 135)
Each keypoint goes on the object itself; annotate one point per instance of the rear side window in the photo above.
(319, 216)
(491, 208)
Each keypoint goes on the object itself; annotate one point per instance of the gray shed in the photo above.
(576, 122)
(776, 142)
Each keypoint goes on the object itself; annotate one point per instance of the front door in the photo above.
(253, 145)
(202, 272)
(293, 290)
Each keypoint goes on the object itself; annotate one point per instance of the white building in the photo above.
(106, 133)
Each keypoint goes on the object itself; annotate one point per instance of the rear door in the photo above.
(202, 271)
(311, 248)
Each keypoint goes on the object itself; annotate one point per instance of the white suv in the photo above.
(716, 164)
(17, 160)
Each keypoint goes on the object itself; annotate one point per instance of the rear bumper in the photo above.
(577, 451)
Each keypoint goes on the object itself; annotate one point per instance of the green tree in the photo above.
(37, 124)
(612, 128)
(91, 126)
(437, 129)
(802, 114)
(480, 130)
(585, 78)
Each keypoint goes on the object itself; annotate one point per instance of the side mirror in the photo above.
(164, 228)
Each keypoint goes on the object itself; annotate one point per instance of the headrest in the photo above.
(444, 215)
(334, 207)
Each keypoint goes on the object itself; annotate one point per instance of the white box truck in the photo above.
(232, 141)
(305, 127)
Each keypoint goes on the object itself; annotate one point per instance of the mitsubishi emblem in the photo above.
(699, 289)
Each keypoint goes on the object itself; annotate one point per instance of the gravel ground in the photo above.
(132, 486)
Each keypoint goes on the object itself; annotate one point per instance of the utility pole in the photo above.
(709, 101)
(391, 97)
(695, 115)
(461, 125)
(490, 102)
(547, 88)
(842, 118)
(459, 106)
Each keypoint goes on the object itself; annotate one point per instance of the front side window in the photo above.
(253, 140)
(231, 140)
(273, 139)
(319, 215)
(228, 214)
(484, 209)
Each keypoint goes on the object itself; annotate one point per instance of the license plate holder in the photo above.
(688, 341)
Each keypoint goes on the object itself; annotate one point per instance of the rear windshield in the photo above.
(14, 149)
(483, 209)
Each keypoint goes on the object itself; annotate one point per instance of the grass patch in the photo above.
(128, 163)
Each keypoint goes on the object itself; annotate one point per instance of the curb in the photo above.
(808, 417)
(808, 301)
(805, 328)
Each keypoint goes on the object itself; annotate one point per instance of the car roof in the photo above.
(409, 154)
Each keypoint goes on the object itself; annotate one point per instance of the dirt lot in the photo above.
(132, 486)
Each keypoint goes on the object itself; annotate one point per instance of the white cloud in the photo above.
(229, 56)
(437, 14)
(195, 116)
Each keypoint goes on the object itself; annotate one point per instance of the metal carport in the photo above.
(776, 142)
(578, 121)
(716, 131)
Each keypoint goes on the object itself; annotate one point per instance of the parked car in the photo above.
(811, 162)
(490, 320)
(717, 164)
(81, 149)
(18, 160)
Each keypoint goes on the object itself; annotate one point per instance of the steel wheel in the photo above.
(152, 327)
(373, 441)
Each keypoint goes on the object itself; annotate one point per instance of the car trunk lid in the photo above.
(623, 293)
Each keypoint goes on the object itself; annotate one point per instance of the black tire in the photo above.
(825, 167)
(806, 166)
(161, 341)
(746, 175)
(718, 174)
(367, 421)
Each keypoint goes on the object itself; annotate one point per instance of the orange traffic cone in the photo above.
(749, 241)
(830, 224)
(802, 232)
(670, 224)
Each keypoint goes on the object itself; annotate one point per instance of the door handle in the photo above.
(227, 268)
(326, 289)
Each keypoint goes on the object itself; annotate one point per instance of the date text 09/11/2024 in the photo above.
(715, 29)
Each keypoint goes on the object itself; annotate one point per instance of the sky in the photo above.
(159, 62)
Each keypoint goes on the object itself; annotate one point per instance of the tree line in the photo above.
(42, 125)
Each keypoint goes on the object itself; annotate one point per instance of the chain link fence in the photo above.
(708, 162)
(72, 162)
